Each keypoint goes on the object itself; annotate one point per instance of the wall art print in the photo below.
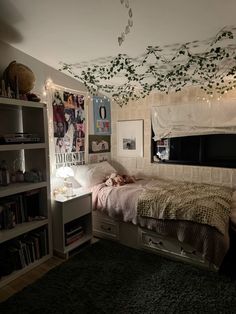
(93, 158)
(130, 138)
(69, 128)
(101, 115)
(99, 144)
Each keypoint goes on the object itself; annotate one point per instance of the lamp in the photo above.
(65, 173)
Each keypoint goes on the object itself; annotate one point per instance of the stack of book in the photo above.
(23, 251)
(19, 208)
(73, 235)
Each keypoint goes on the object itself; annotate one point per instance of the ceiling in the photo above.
(75, 31)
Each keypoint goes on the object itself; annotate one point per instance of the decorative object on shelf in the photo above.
(130, 138)
(19, 138)
(32, 97)
(129, 24)
(20, 78)
(3, 89)
(20, 176)
(209, 64)
(4, 174)
(65, 173)
(33, 176)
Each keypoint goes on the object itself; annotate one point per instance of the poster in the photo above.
(99, 144)
(93, 158)
(69, 127)
(102, 116)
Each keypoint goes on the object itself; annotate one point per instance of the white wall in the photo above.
(134, 110)
(142, 166)
(42, 73)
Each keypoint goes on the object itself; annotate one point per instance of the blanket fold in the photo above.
(201, 203)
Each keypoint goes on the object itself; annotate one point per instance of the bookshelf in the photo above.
(25, 222)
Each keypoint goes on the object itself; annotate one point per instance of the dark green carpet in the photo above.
(109, 278)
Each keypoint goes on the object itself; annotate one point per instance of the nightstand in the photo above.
(72, 223)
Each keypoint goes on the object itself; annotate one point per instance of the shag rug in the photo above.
(107, 277)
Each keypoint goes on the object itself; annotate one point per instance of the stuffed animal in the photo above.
(117, 180)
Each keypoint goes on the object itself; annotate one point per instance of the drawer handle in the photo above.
(155, 243)
(183, 251)
(105, 228)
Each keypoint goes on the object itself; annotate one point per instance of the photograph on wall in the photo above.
(101, 115)
(130, 138)
(69, 127)
(162, 149)
(93, 158)
(99, 144)
(129, 143)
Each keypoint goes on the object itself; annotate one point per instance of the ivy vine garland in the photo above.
(213, 70)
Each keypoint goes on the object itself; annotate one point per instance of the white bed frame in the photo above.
(144, 239)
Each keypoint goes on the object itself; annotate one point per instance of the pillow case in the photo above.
(91, 174)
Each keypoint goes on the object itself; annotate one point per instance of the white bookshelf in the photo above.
(28, 117)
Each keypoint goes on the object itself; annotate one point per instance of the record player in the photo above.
(19, 138)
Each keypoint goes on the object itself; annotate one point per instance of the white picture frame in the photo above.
(130, 138)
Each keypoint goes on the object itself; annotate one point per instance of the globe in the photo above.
(22, 74)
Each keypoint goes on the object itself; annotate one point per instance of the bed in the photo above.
(166, 222)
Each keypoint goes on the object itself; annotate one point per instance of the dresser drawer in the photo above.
(152, 241)
(105, 228)
(188, 252)
(169, 246)
(76, 208)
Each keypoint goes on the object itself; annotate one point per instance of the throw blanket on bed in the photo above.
(201, 203)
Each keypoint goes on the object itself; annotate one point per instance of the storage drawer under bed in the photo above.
(168, 246)
(105, 227)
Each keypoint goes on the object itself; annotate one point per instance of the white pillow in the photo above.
(92, 174)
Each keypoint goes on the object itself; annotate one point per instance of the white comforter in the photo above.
(121, 200)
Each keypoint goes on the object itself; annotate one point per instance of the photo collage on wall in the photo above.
(100, 141)
(69, 128)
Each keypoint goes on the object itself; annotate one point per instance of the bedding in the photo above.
(122, 203)
(202, 203)
(91, 174)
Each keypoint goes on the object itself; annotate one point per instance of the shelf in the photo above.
(10, 147)
(15, 188)
(22, 116)
(19, 229)
(77, 243)
(20, 103)
(5, 280)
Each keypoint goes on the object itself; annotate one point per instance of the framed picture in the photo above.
(130, 138)
(99, 144)
(101, 115)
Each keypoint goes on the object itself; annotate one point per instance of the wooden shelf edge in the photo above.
(5, 280)
(20, 102)
(11, 147)
(15, 188)
(76, 244)
(6, 235)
